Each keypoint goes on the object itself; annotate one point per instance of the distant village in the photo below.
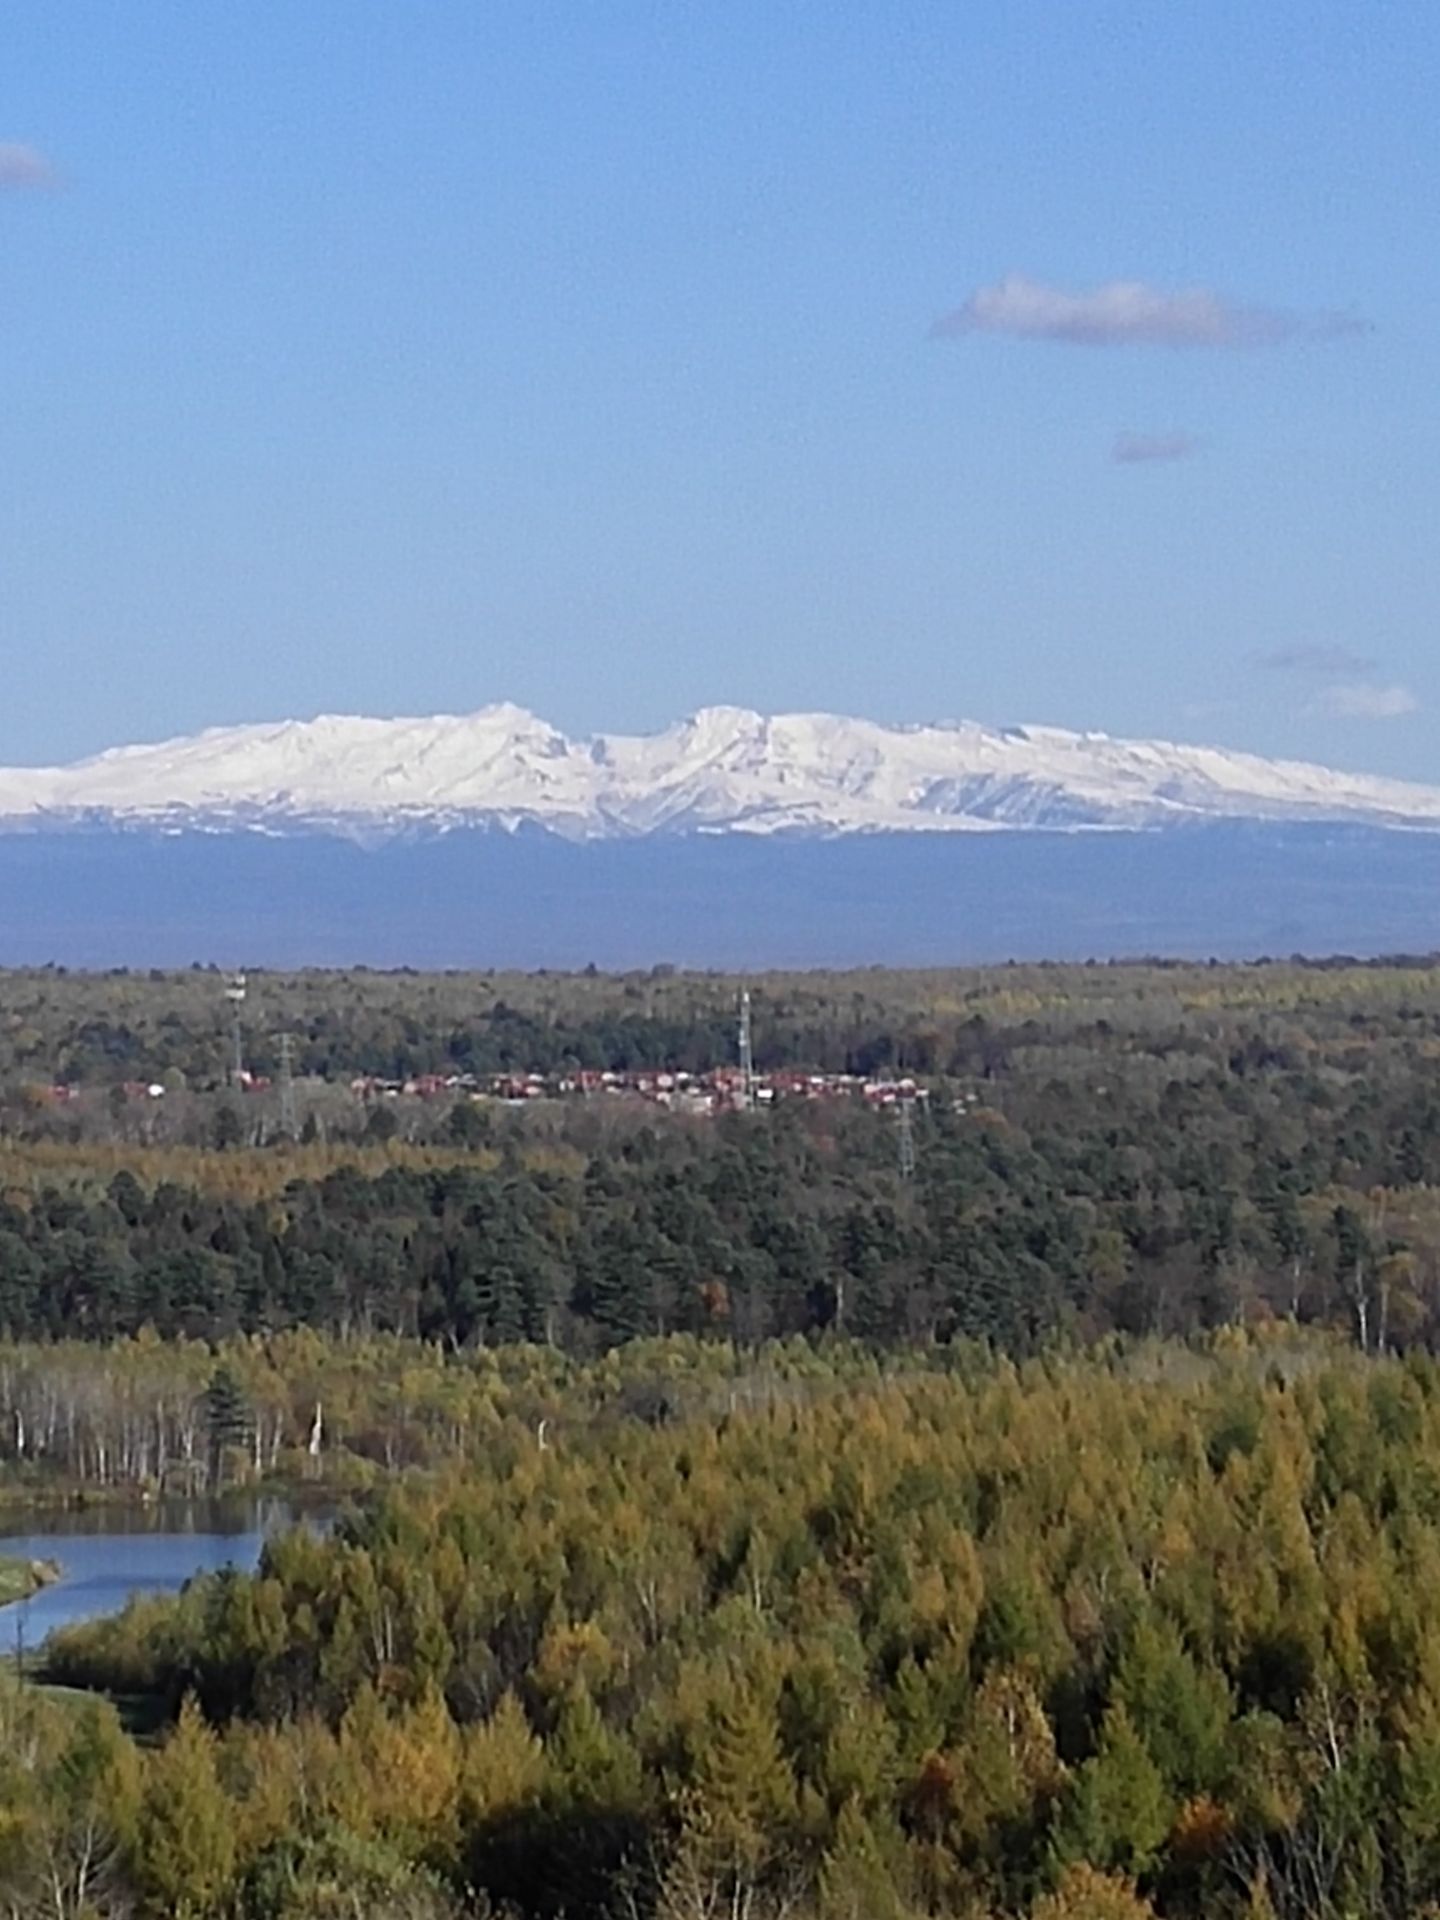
(737, 1087)
(722, 1090)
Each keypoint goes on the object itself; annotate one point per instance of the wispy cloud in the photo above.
(1360, 700)
(1313, 657)
(22, 166)
(1356, 695)
(1132, 449)
(1130, 313)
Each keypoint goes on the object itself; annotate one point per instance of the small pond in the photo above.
(108, 1553)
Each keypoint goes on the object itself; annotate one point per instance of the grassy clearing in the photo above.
(20, 1578)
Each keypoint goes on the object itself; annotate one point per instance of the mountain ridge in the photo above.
(722, 770)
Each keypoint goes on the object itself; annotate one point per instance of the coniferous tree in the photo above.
(228, 1420)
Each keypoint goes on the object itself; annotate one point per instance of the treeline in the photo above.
(195, 1416)
(1175, 1205)
(1087, 1640)
(102, 1029)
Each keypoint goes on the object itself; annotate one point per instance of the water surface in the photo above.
(108, 1553)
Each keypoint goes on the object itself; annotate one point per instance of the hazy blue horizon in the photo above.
(1228, 890)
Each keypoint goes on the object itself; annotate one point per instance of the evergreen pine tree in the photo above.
(228, 1420)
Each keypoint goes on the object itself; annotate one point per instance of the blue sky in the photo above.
(366, 357)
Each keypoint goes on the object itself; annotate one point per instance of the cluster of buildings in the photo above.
(721, 1090)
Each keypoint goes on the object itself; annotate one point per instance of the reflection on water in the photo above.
(106, 1554)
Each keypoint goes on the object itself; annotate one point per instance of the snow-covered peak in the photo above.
(723, 769)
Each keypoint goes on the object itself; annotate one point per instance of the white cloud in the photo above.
(22, 166)
(1130, 313)
(1315, 657)
(1132, 449)
(1355, 700)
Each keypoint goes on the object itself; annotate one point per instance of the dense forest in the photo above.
(1206, 1201)
(1085, 1640)
(61, 1027)
(1135, 1149)
(1018, 1500)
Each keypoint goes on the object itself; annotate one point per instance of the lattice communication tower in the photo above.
(235, 994)
(747, 1053)
(905, 1131)
(285, 1080)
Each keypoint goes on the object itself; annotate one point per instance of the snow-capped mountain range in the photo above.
(724, 770)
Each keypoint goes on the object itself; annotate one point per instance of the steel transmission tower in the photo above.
(285, 1077)
(905, 1122)
(235, 994)
(747, 1054)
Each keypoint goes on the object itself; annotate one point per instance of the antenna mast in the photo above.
(286, 1078)
(905, 1122)
(747, 1054)
(235, 994)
